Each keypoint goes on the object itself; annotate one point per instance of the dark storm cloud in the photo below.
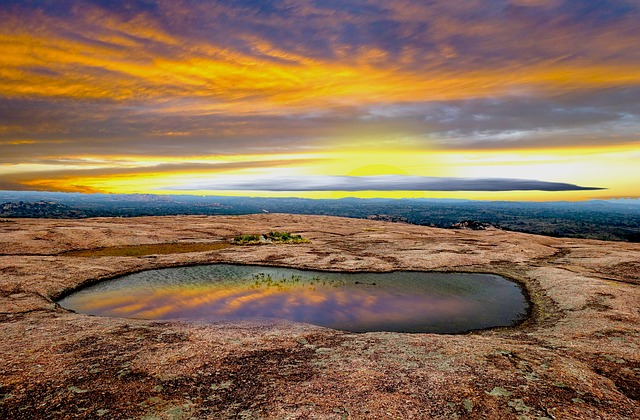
(381, 183)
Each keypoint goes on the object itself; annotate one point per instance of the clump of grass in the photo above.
(271, 237)
(247, 239)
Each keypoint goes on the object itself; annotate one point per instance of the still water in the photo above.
(402, 301)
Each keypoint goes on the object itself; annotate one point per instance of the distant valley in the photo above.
(617, 220)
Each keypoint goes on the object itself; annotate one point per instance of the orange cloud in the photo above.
(99, 55)
(186, 80)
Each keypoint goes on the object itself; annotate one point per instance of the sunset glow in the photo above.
(398, 301)
(207, 98)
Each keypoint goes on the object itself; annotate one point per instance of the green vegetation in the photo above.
(149, 249)
(284, 237)
(271, 237)
(247, 239)
(267, 281)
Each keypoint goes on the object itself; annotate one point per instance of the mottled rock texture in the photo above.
(576, 357)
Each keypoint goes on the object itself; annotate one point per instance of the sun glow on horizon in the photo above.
(175, 98)
(601, 167)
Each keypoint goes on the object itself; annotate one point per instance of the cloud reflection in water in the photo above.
(398, 301)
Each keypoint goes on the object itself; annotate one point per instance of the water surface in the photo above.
(402, 301)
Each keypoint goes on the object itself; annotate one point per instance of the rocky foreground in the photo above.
(577, 357)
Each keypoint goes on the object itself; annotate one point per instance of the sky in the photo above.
(477, 99)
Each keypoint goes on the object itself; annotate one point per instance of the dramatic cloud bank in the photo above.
(382, 183)
(95, 91)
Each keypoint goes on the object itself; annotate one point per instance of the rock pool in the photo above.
(400, 301)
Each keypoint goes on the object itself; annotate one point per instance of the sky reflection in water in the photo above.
(398, 301)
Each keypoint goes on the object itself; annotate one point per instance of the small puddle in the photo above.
(147, 249)
(400, 301)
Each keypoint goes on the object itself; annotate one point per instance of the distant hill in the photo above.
(617, 220)
(47, 209)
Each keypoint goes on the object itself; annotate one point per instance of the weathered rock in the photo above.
(473, 225)
(577, 357)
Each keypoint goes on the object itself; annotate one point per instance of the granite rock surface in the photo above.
(577, 356)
